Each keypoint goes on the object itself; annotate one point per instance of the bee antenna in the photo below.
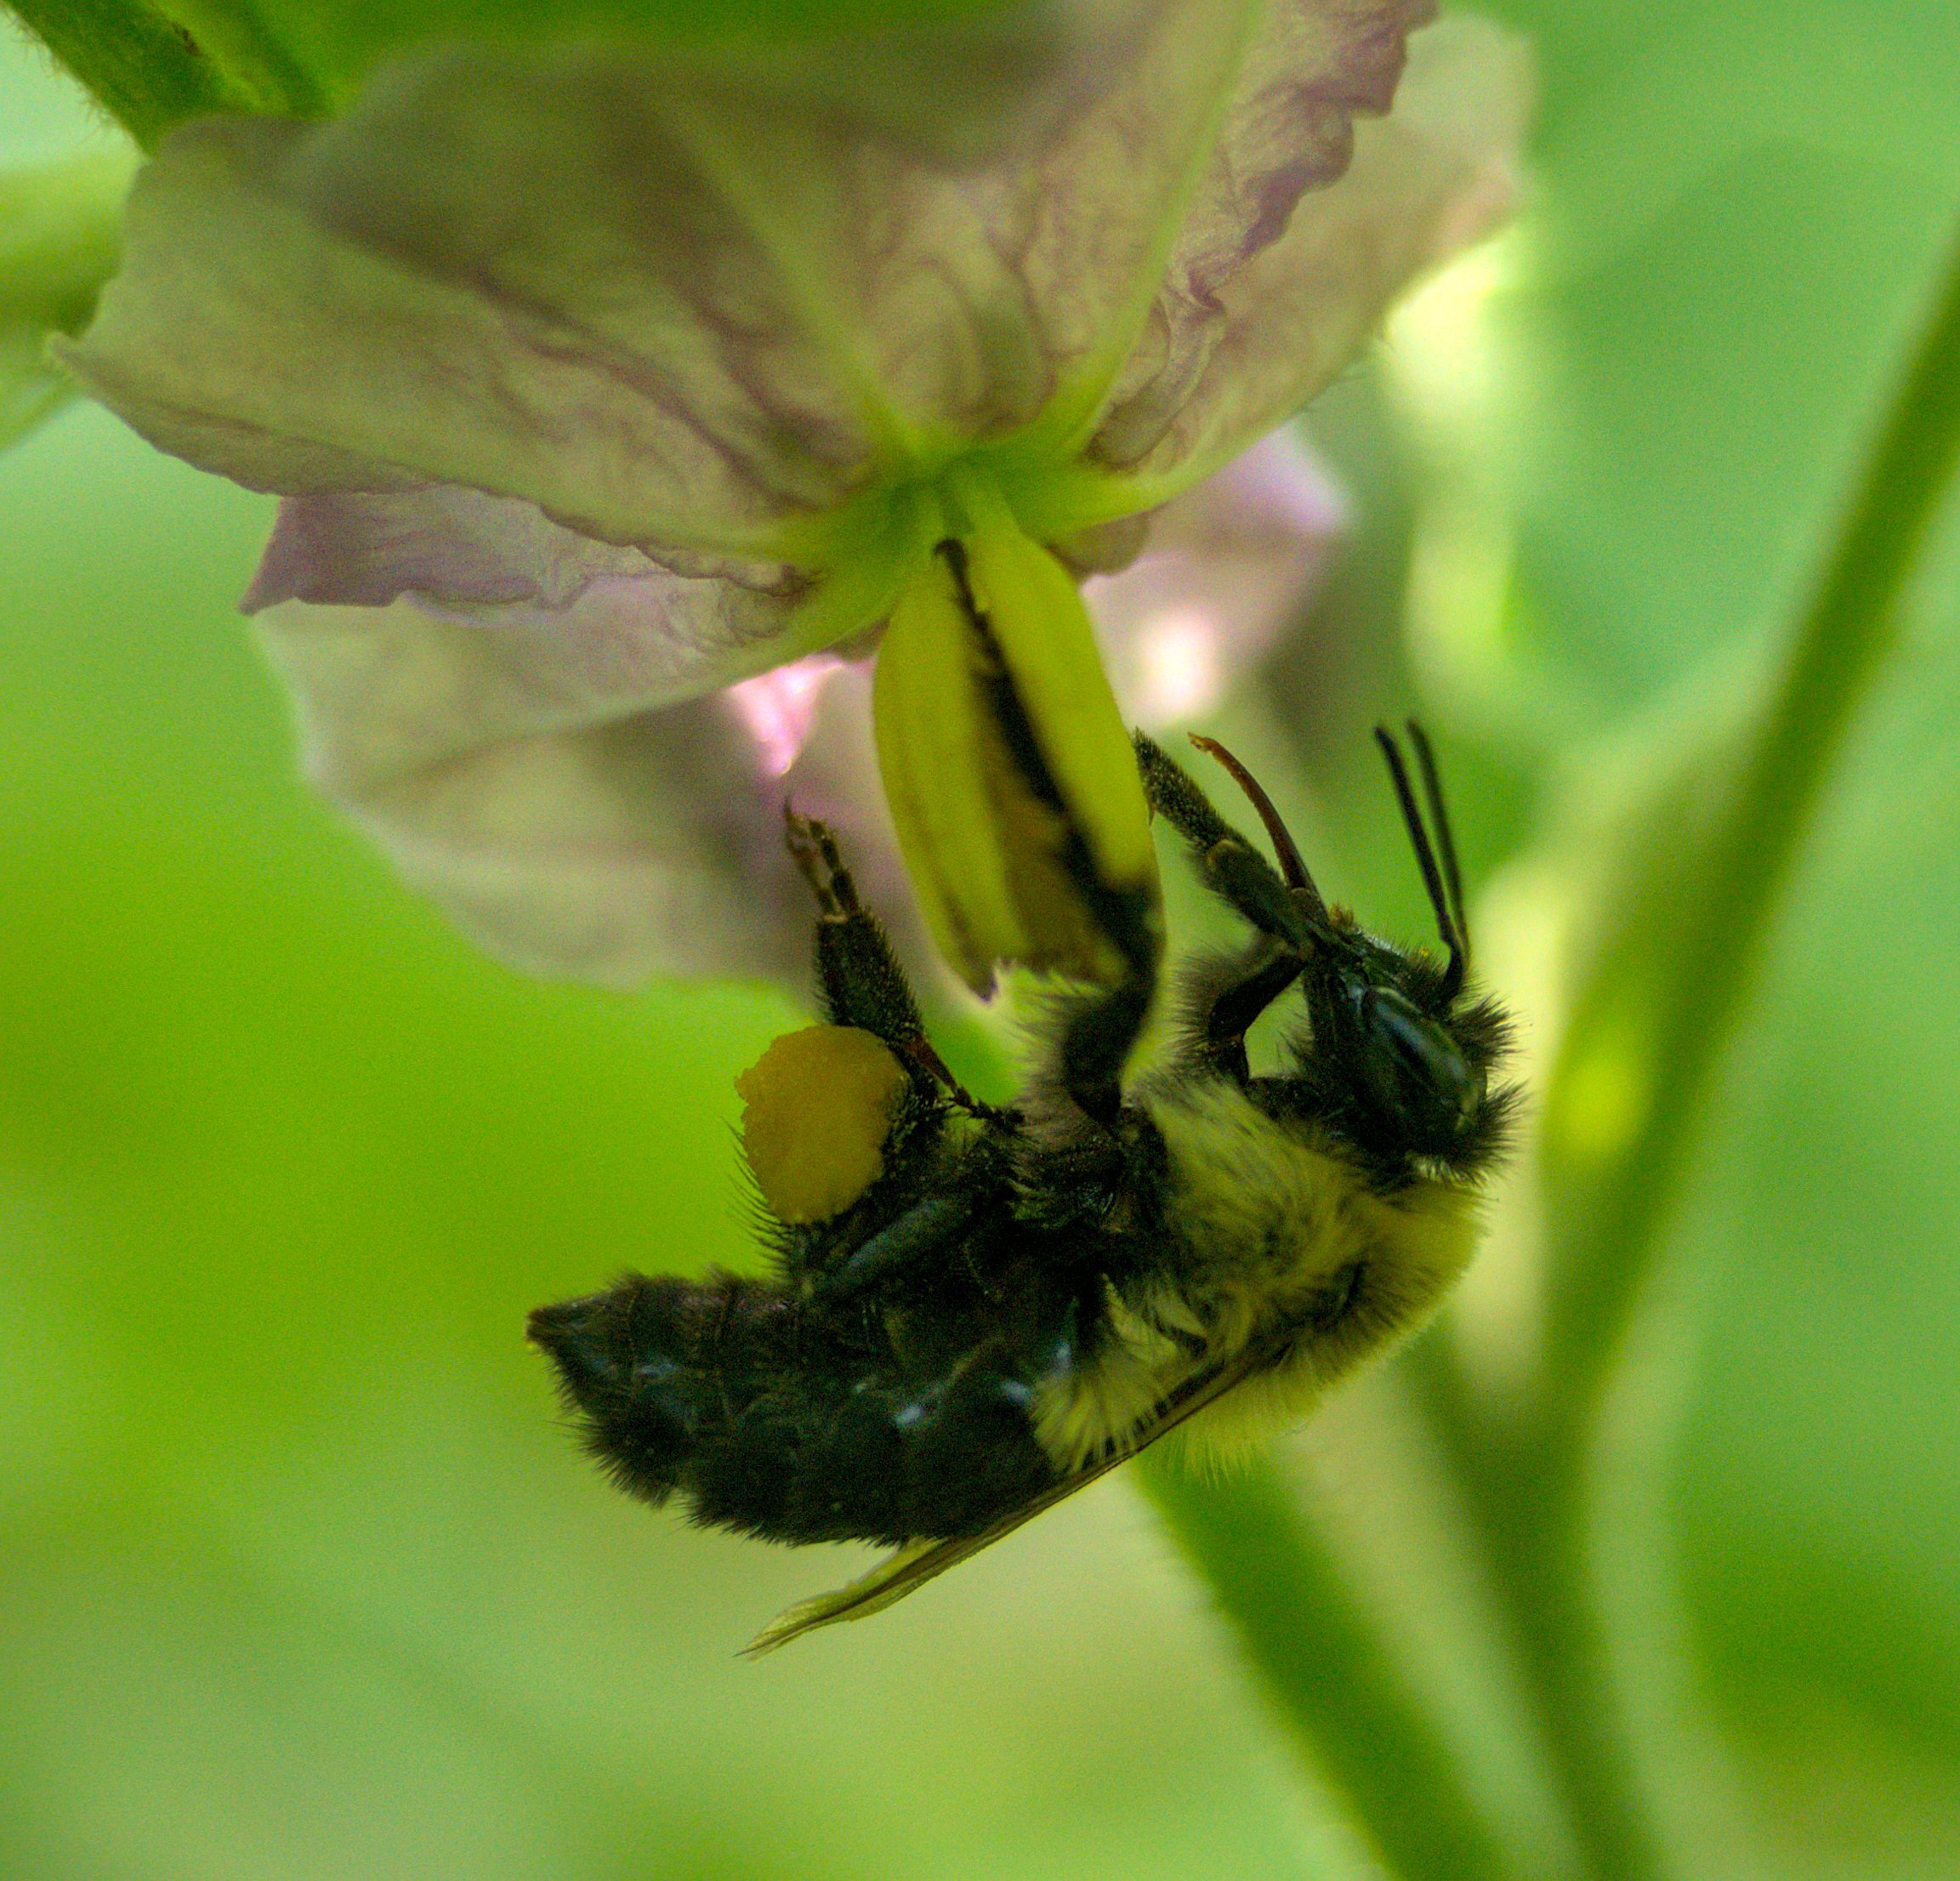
(1292, 868)
(1446, 843)
(1447, 922)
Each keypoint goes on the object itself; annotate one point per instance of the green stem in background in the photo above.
(149, 67)
(1324, 1664)
(1848, 628)
(1542, 1484)
(255, 59)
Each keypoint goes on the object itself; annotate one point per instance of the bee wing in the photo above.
(909, 1568)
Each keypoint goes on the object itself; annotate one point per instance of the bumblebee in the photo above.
(975, 1312)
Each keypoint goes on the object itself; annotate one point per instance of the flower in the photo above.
(596, 384)
(508, 762)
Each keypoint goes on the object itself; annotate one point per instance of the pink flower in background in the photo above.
(1223, 573)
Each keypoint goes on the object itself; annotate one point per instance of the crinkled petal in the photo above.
(448, 544)
(605, 627)
(528, 788)
(1142, 179)
(1236, 349)
(1225, 570)
(498, 272)
(597, 279)
(1289, 128)
(602, 279)
(678, 307)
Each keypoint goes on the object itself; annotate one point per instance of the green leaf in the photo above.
(152, 65)
(60, 238)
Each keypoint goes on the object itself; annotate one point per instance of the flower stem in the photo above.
(1543, 1484)
(1323, 1662)
(149, 70)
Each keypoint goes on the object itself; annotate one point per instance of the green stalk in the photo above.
(1543, 1484)
(1322, 1660)
(1847, 630)
(151, 66)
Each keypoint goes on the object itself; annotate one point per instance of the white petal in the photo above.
(681, 307)
(562, 824)
(1289, 128)
(607, 630)
(1241, 356)
(671, 305)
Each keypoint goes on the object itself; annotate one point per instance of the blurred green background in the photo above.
(300, 1576)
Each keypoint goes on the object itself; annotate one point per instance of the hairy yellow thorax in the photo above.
(1271, 1232)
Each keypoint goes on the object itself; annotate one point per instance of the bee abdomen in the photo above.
(627, 1367)
(713, 1391)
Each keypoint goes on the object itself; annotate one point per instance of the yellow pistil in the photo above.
(1011, 778)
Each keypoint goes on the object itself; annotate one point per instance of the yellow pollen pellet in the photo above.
(817, 1107)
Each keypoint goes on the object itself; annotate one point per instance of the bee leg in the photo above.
(858, 975)
(1230, 867)
(1097, 1036)
(1223, 997)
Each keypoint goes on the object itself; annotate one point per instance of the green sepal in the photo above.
(151, 65)
(61, 239)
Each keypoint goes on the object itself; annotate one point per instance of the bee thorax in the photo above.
(1276, 1254)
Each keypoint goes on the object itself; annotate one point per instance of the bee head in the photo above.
(1398, 1062)
(1416, 1055)
(1423, 1071)
(1401, 1059)
(1411, 1070)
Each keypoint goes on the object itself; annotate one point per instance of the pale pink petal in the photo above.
(627, 286)
(779, 709)
(607, 629)
(1227, 568)
(682, 306)
(570, 839)
(1064, 249)
(672, 303)
(1289, 129)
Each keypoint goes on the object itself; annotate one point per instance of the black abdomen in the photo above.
(789, 1425)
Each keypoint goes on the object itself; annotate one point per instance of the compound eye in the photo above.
(1416, 1072)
